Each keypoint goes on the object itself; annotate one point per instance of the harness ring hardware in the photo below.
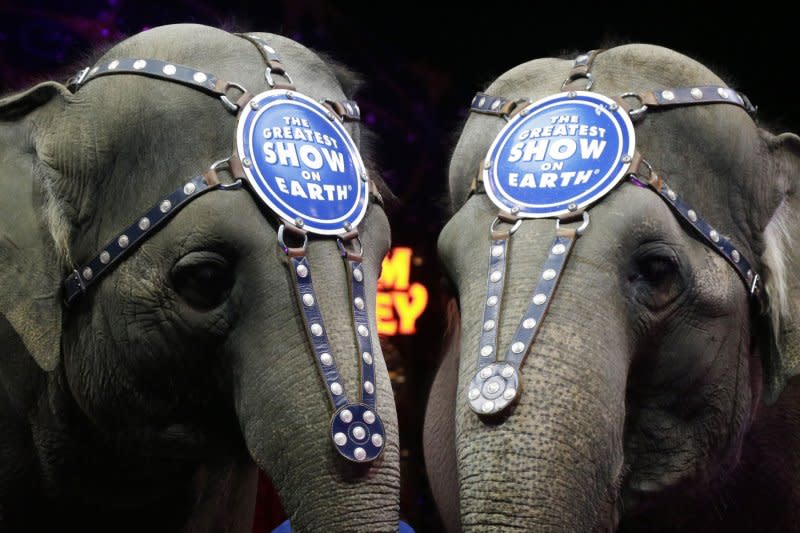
(271, 81)
(514, 227)
(292, 251)
(639, 111)
(226, 102)
(576, 76)
(582, 228)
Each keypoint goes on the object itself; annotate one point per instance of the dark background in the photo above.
(422, 62)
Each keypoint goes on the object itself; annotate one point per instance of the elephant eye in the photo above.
(204, 279)
(656, 277)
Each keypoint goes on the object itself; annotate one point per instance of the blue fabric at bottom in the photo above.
(286, 528)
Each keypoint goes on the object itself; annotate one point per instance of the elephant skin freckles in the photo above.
(648, 398)
(151, 403)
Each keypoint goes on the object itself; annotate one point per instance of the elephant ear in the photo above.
(31, 271)
(782, 260)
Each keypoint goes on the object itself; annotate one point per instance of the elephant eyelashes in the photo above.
(656, 278)
(203, 279)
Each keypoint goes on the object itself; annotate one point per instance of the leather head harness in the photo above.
(496, 384)
(319, 144)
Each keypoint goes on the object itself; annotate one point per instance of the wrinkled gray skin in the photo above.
(645, 396)
(149, 404)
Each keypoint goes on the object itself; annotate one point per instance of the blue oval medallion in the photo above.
(559, 154)
(301, 162)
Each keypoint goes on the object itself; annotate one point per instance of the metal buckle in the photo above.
(271, 80)
(576, 76)
(74, 83)
(582, 228)
(286, 248)
(230, 106)
(639, 111)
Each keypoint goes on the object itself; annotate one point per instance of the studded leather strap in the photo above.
(711, 236)
(125, 242)
(496, 105)
(273, 62)
(356, 429)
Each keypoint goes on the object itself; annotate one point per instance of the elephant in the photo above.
(152, 401)
(656, 395)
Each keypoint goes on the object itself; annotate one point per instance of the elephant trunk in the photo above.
(285, 414)
(555, 463)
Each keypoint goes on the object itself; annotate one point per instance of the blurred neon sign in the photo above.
(399, 301)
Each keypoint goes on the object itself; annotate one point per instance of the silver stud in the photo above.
(326, 359)
(144, 223)
(487, 164)
(714, 235)
(487, 406)
(299, 222)
(548, 274)
(486, 372)
(514, 210)
(723, 92)
(697, 94)
(340, 439)
(189, 188)
(114, 64)
(359, 303)
(165, 206)
(671, 194)
(492, 387)
(254, 105)
(583, 58)
(359, 433)
(246, 162)
(316, 330)
(613, 106)
(362, 330)
(572, 94)
(87, 273)
(749, 276)
(529, 323)
(497, 251)
(359, 454)
(488, 325)
(509, 394)
(559, 249)
(269, 49)
(626, 158)
(308, 300)
(200, 77)
(369, 417)
(735, 256)
(94, 70)
(692, 215)
(668, 95)
(347, 226)
(473, 394)
(358, 275)
(517, 347)
(486, 351)
(540, 298)
(336, 388)
(346, 416)
(105, 257)
(123, 241)
(507, 371)
(369, 388)
(496, 275)
(495, 104)
(169, 70)
(491, 301)
(367, 357)
(377, 440)
(139, 64)
(302, 271)
(482, 101)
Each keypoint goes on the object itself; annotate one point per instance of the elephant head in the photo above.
(645, 401)
(150, 400)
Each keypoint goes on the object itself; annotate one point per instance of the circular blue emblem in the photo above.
(301, 162)
(559, 154)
